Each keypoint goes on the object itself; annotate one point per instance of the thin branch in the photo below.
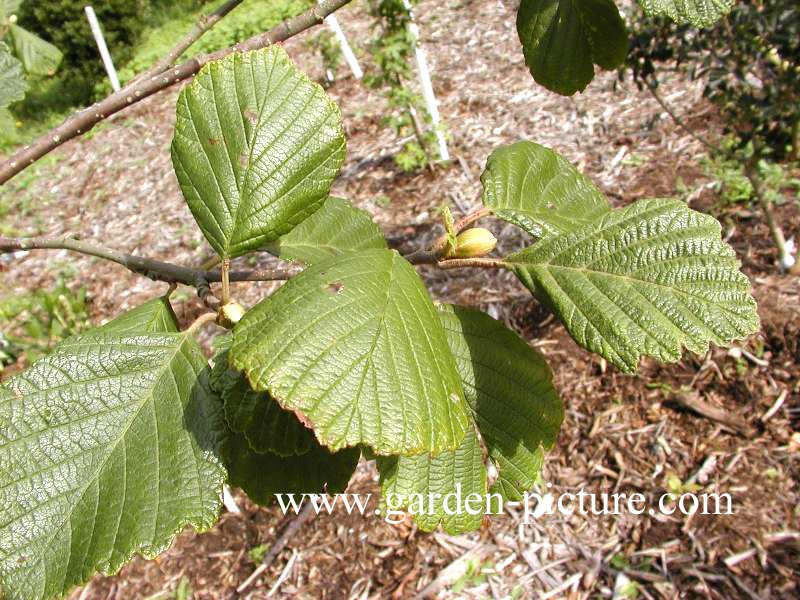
(678, 120)
(148, 267)
(305, 514)
(475, 263)
(82, 121)
(204, 24)
(751, 172)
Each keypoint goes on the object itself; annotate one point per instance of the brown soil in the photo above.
(621, 433)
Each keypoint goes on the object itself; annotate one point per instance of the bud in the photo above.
(473, 243)
(230, 314)
(12, 19)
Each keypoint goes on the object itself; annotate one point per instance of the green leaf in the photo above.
(257, 145)
(509, 388)
(9, 7)
(12, 81)
(335, 228)
(354, 346)
(700, 13)
(154, 316)
(38, 56)
(262, 476)
(538, 190)
(563, 39)
(7, 123)
(107, 448)
(435, 488)
(265, 425)
(647, 279)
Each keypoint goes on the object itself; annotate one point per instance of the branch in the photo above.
(148, 267)
(784, 257)
(677, 120)
(204, 24)
(82, 121)
(479, 263)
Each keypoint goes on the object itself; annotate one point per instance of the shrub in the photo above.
(64, 24)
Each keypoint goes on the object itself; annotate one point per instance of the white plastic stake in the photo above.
(425, 82)
(101, 45)
(347, 51)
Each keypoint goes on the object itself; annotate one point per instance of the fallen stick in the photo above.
(304, 515)
(692, 401)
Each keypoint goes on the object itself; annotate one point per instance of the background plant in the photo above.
(750, 63)
(21, 52)
(392, 50)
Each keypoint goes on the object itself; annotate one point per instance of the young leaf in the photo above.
(12, 81)
(38, 56)
(354, 346)
(154, 316)
(413, 483)
(107, 448)
(647, 279)
(256, 148)
(700, 13)
(538, 190)
(509, 388)
(265, 425)
(262, 476)
(336, 227)
(563, 39)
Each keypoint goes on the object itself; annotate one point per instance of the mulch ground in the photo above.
(621, 433)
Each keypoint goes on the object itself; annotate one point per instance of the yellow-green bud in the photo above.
(473, 243)
(230, 314)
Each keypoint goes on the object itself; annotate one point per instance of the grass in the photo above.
(243, 22)
(48, 100)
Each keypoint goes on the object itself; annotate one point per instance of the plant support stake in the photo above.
(350, 58)
(425, 82)
(101, 45)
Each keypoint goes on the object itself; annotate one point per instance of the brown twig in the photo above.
(204, 24)
(148, 267)
(475, 263)
(751, 172)
(678, 120)
(82, 121)
(305, 514)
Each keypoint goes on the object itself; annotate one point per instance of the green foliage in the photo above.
(168, 22)
(264, 424)
(123, 435)
(32, 323)
(421, 483)
(538, 190)
(509, 389)
(107, 448)
(335, 228)
(371, 367)
(257, 146)
(734, 187)
(392, 49)
(648, 279)
(563, 39)
(750, 64)
(324, 42)
(12, 81)
(63, 23)
(700, 13)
